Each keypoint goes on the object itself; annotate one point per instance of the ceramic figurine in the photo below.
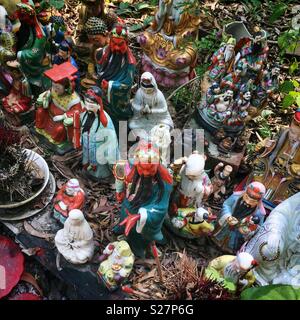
(98, 137)
(238, 206)
(193, 187)
(96, 31)
(65, 55)
(116, 264)
(69, 197)
(149, 106)
(115, 71)
(278, 164)
(75, 241)
(233, 271)
(237, 85)
(58, 110)
(276, 245)
(31, 47)
(168, 44)
(160, 137)
(220, 180)
(145, 192)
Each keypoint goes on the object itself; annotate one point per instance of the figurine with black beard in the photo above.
(115, 66)
(144, 192)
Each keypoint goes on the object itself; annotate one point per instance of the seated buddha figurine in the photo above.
(276, 246)
(58, 110)
(168, 45)
(75, 241)
(69, 197)
(116, 264)
(193, 187)
(278, 164)
(115, 66)
(149, 106)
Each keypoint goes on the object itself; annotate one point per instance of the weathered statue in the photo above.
(278, 164)
(116, 264)
(168, 45)
(276, 246)
(75, 241)
(220, 180)
(31, 47)
(58, 110)
(229, 235)
(149, 106)
(98, 138)
(145, 193)
(115, 73)
(68, 198)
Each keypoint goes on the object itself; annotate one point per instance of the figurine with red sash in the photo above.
(58, 110)
(145, 192)
(69, 197)
(115, 73)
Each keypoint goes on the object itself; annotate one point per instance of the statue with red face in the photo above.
(144, 192)
(115, 73)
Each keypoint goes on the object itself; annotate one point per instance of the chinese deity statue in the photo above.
(276, 246)
(192, 188)
(220, 180)
(237, 85)
(149, 106)
(116, 264)
(58, 110)
(168, 45)
(31, 47)
(233, 271)
(278, 164)
(75, 241)
(231, 232)
(97, 33)
(98, 137)
(145, 194)
(69, 197)
(115, 73)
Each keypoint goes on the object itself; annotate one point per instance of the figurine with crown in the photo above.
(168, 51)
(187, 216)
(242, 208)
(277, 164)
(115, 65)
(57, 120)
(144, 192)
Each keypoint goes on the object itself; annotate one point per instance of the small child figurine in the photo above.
(75, 240)
(116, 264)
(220, 180)
(233, 270)
(69, 197)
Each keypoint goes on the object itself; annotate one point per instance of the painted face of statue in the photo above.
(118, 45)
(71, 191)
(91, 105)
(229, 52)
(58, 88)
(250, 201)
(294, 134)
(247, 96)
(228, 95)
(99, 39)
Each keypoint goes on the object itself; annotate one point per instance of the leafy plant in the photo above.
(278, 11)
(288, 41)
(272, 292)
(292, 94)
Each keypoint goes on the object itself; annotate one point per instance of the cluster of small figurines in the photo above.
(86, 114)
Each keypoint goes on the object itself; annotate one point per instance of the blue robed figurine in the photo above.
(98, 138)
(115, 72)
(145, 191)
(240, 217)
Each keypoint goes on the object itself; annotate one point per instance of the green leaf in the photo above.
(288, 101)
(141, 6)
(279, 10)
(266, 113)
(136, 27)
(298, 101)
(57, 4)
(124, 5)
(272, 292)
(293, 67)
(212, 273)
(147, 21)
(287, 86)
(295, 83)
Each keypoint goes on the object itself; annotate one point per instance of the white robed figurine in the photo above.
(149, 106)
(75, 240)
(276, 246)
